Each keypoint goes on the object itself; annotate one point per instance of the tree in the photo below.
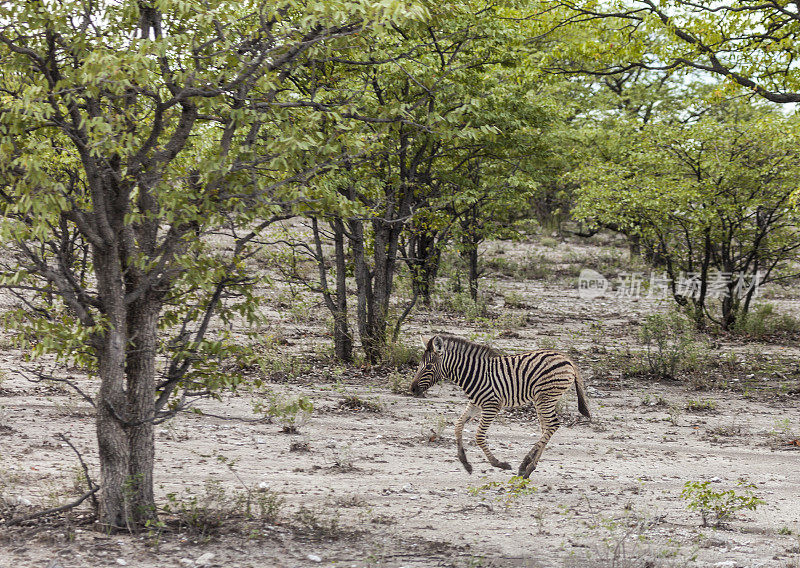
(711, 197)
(752, 45)
(128, 133)
(456, 122)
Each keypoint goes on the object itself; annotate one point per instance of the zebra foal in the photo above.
(492, 381)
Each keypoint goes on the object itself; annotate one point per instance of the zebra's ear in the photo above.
(438, 344)
(426, 339)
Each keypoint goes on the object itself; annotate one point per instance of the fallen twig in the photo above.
(92, 485)
(53, 511)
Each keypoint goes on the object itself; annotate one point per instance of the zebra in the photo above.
(492, 381)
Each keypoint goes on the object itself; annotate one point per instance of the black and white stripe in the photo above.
(492, 381)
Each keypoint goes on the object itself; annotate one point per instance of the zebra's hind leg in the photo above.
(548, 420)
(488, 414)
(465, 417)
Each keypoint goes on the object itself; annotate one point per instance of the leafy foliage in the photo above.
(700, 496)
(709, 200)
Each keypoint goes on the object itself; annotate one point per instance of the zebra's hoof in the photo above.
(467, 466)
(528, 471)
(504, 465)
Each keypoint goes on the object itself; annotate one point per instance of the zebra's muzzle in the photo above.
(416, 391)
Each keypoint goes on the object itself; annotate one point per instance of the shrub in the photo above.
(721, 504)
(763, 322)
(461, 304)
(398, 382)
(515, 300)
(506, 493)
(396, 354)
(671, 344)
(355, 402)
(291, 413)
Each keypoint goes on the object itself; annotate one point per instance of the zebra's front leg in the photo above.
(548, 420)
(465, 417)
(488, 414)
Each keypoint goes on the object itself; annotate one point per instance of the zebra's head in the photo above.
(430, 368)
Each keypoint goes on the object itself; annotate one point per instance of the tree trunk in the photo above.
(111, 400)
(424, 254)
(470, 241)
(342, 338)
(365, 297)
(140, 371)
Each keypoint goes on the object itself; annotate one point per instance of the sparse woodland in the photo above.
(226, 225)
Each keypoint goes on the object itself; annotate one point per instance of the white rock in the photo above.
(314, 558)
(717, 480)
(17, 500)
(121, 561)
(725, 564)
(205, 559)
(186, 562)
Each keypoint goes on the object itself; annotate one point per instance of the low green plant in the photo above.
(319, 522)
(655, 400)
(506, 493)
(762, 321)
(398, 355)
(719, 506)
(355, 402)
(216, 507)
(671, 345)
(290, 412)
(201, 514)
(433, 426)
(398, 382)
(701, 405)
(547, 343)
(460, 303)
(515, 300)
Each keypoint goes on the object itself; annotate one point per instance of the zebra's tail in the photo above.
(583, 408)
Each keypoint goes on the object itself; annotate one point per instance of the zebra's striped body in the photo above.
(493, 381)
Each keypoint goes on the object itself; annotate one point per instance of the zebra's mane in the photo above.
(461, 345)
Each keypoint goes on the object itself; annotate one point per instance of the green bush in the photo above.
(722, 505)
(213, 510)
(396, 354)
(506, 493)
(671, 345)
(460, 303)
(290, 412)
(763, 322)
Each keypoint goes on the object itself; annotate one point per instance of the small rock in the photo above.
(314, 558)
(121, 561)
(204, 559)
(186, 562)
(717, 480)
(16, 500)
(725, 564)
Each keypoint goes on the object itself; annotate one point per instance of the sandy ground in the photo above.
(361, 488)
